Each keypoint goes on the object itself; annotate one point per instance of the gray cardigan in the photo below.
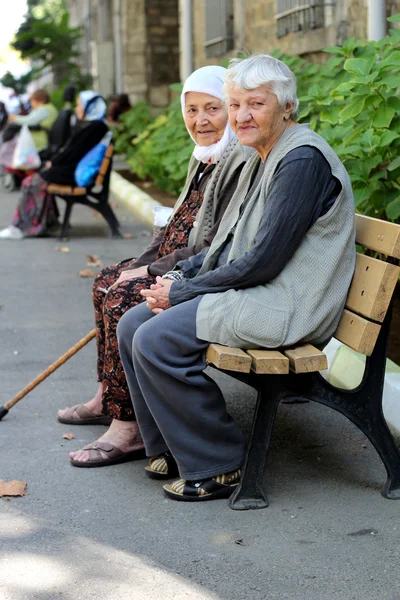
(305, 301)
(211, 209)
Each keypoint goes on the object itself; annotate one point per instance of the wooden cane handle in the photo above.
(51, 369)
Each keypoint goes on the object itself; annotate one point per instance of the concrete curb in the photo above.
(140, 203)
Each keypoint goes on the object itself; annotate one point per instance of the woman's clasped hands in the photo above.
(157, 297)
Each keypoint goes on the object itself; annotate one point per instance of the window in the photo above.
(302, 15)
(218, 27)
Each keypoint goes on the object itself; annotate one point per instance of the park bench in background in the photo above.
(94, 196)
(294, 372)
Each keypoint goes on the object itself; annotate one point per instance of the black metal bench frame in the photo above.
(97, 200)
(361, 405)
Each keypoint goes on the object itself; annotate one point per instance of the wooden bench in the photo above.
(95, 196)
(292, 373)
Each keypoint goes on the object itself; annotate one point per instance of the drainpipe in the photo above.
(117, 47)
(377, 24)
(185, 39)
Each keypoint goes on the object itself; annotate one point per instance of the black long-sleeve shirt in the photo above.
(302, 190)
(64, 163)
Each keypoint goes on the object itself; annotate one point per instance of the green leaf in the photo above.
(360, 195)
(395, 164)
(331, 115)
(392, 60)
(333, 62)
(394, 18)
(394, 103)
(384, 115)
(344, 87)
(393, 209)
(388, 137)
(359, 66)
(334, 50)
(391, 81)
(352, 109)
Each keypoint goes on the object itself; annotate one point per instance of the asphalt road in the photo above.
(110, 534)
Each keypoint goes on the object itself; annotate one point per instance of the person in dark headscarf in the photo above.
(37, 210)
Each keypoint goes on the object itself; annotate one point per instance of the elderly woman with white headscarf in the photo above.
(37, 210)
(212, 177)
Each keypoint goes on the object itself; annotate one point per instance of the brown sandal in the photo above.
(86, 417)
(114, 456)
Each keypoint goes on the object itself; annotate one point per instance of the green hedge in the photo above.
(352, 100)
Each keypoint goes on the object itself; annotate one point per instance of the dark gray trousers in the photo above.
(177, 406)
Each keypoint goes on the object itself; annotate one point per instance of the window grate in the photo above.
(301, 15)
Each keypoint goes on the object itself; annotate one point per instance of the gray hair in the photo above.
(262, 69)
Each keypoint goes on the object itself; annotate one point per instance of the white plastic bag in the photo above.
(25, 156)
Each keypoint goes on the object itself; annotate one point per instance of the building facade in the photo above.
(130, 46)
(142, 46)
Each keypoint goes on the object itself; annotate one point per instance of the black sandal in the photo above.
(221, 486)
(162, 467)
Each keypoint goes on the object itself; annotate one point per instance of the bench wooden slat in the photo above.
(372, 287)
(378, 235)
(229, 359)
(104, 165)
(306, 359)
(66, 190)
(357, 333)
(268, 362)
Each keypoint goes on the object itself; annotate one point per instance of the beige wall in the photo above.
(255, 29)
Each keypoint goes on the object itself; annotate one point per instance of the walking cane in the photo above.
(4, 409)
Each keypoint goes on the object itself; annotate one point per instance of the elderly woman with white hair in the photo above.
(277, 273)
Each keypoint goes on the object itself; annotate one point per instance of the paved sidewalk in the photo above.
(110, 534)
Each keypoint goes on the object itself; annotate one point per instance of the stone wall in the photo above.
(133, 33)
(162, 49)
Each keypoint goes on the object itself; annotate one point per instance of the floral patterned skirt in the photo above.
(108, 309)
(37, 210)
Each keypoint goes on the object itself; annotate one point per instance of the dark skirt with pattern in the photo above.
(110, 307)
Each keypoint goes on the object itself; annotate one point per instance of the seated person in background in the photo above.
(119, 105)
(3, 115)
(43, 113)
(63, 127)
(37, 210)
(212, 177)
(277, 273)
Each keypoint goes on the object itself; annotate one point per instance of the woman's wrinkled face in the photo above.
(79, 110)
(257, 117)
(205, 117)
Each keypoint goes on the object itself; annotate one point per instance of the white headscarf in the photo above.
(97, 110)
(209, 80)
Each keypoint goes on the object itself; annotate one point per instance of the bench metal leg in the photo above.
(363, 407)
(250, 494)
(67, 216)
(108, 214)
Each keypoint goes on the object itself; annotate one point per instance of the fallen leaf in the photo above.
(61, 249)
(86, 273)
(68, 436)
(147, 184)
(128, 236)
(94, 261)
(12, 488)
